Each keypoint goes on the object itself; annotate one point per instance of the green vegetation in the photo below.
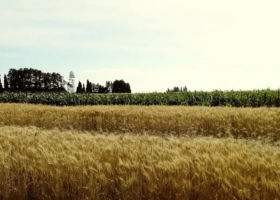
(255, 98)
(33, 80)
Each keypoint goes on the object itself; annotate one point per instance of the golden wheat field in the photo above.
(135, 152)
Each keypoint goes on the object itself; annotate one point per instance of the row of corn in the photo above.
(254, 98)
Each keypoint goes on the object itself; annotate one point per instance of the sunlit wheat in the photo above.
(53, 164)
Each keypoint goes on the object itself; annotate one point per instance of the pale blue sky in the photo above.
(203, 44)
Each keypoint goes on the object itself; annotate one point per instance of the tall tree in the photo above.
(79, 88)
(83, 89)
(89, 87)
(6, 85)
(12, 78)
(1, 86)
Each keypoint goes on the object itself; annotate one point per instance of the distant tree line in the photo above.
(32, 80)
(177, 89)
(118, 86)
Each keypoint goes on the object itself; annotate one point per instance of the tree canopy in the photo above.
(1, 86)
(33, 80)
(177, 89)
(120, 86)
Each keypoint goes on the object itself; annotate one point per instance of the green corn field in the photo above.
(254, 98)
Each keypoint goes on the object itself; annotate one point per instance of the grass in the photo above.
(134, 152)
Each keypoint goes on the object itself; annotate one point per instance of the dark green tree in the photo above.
(6, 85)
(1, 86)
(83, 89)
(89, 87)
(33, 80)
(79, 88)
(102, 89)
(128, 90)
(120, 86)
(176, 89)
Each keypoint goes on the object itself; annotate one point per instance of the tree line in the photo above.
(118, 86)
(33, 80)
(177, 89)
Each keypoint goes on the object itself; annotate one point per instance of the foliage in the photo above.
(177, 89)
(79, 88)
(93, 88)
(120, 86)
(33, 80)
(256, 98)
(1, 86)
(6, 85)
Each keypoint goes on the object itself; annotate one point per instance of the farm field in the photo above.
(253, 98)
(138, 152)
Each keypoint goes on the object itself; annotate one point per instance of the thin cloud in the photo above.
(202, 44)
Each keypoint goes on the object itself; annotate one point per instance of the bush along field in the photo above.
(255, 98)
(139, 152)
